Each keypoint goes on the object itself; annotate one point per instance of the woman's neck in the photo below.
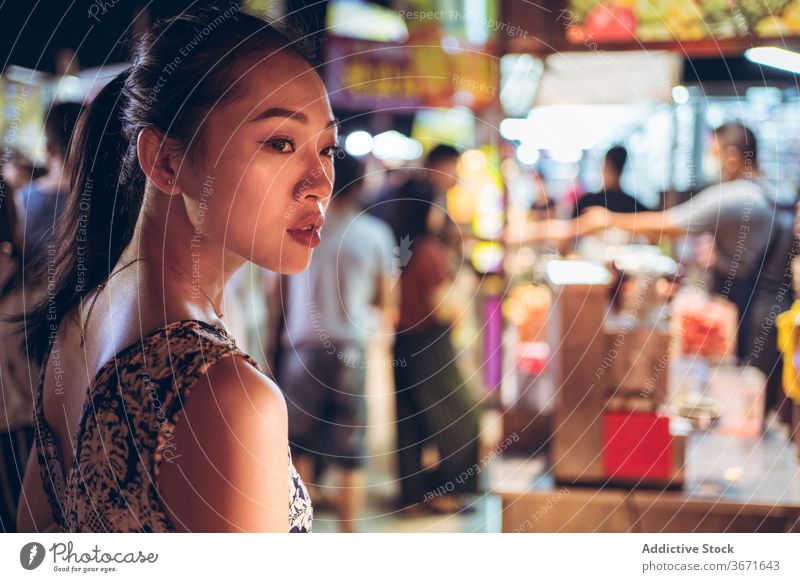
(190, 268)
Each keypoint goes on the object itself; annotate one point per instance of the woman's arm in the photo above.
(230, 469)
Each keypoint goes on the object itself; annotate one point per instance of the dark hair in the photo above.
(616, 157)
(413, 217)
(181, 67)
(739, 136)
(59, 125)
(349, 174)
(441, 153)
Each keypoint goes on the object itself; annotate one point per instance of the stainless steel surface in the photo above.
(579, 346)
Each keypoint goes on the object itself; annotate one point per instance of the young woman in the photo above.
(214, 148)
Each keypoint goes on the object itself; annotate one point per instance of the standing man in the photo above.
(612, 196)
(752, 239)
(323, 364)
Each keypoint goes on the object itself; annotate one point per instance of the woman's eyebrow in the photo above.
(281, 112)
(290, 114)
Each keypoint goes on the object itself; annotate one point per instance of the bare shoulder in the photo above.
(230, 460)
(237, 402)
(241, 388)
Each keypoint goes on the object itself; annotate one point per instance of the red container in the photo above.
(637, 446)
(532, 358)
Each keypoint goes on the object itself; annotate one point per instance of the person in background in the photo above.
(29, 210)
(437, 415)
(17, 171)
(612, 196)
(17, 381)
(328, 325)
(431, 185)
(43, 200)
(752, 240)
(16, 374)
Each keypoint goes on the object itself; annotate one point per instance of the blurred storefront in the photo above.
(618, 372)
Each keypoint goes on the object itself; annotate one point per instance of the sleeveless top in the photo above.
(126, 430)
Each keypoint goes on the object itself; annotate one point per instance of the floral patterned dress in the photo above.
(125, 433)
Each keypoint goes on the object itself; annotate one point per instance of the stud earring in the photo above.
(170, 181)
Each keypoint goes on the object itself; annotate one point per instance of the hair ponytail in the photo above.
(106, 191)
(107, 184)
(168, 87)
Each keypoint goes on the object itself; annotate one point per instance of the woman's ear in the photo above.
(158, 159)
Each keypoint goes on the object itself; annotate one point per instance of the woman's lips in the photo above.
(307, 230)
(307, 238)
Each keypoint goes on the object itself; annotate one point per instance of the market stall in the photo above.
(620, 377)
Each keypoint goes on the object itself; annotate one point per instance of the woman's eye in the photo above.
(331, 151)
(284, 146)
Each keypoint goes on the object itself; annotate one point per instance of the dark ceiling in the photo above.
(33, 31)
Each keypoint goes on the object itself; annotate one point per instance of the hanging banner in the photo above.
(363, 74)
(640, 21)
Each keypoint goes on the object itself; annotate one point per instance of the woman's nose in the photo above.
(319, 184)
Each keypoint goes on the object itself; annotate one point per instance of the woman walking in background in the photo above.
(214, 148)
(435, 410)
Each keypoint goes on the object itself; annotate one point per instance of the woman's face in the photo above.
(262, 178)
(16, 176)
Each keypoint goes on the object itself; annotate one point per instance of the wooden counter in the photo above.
(732, 485)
